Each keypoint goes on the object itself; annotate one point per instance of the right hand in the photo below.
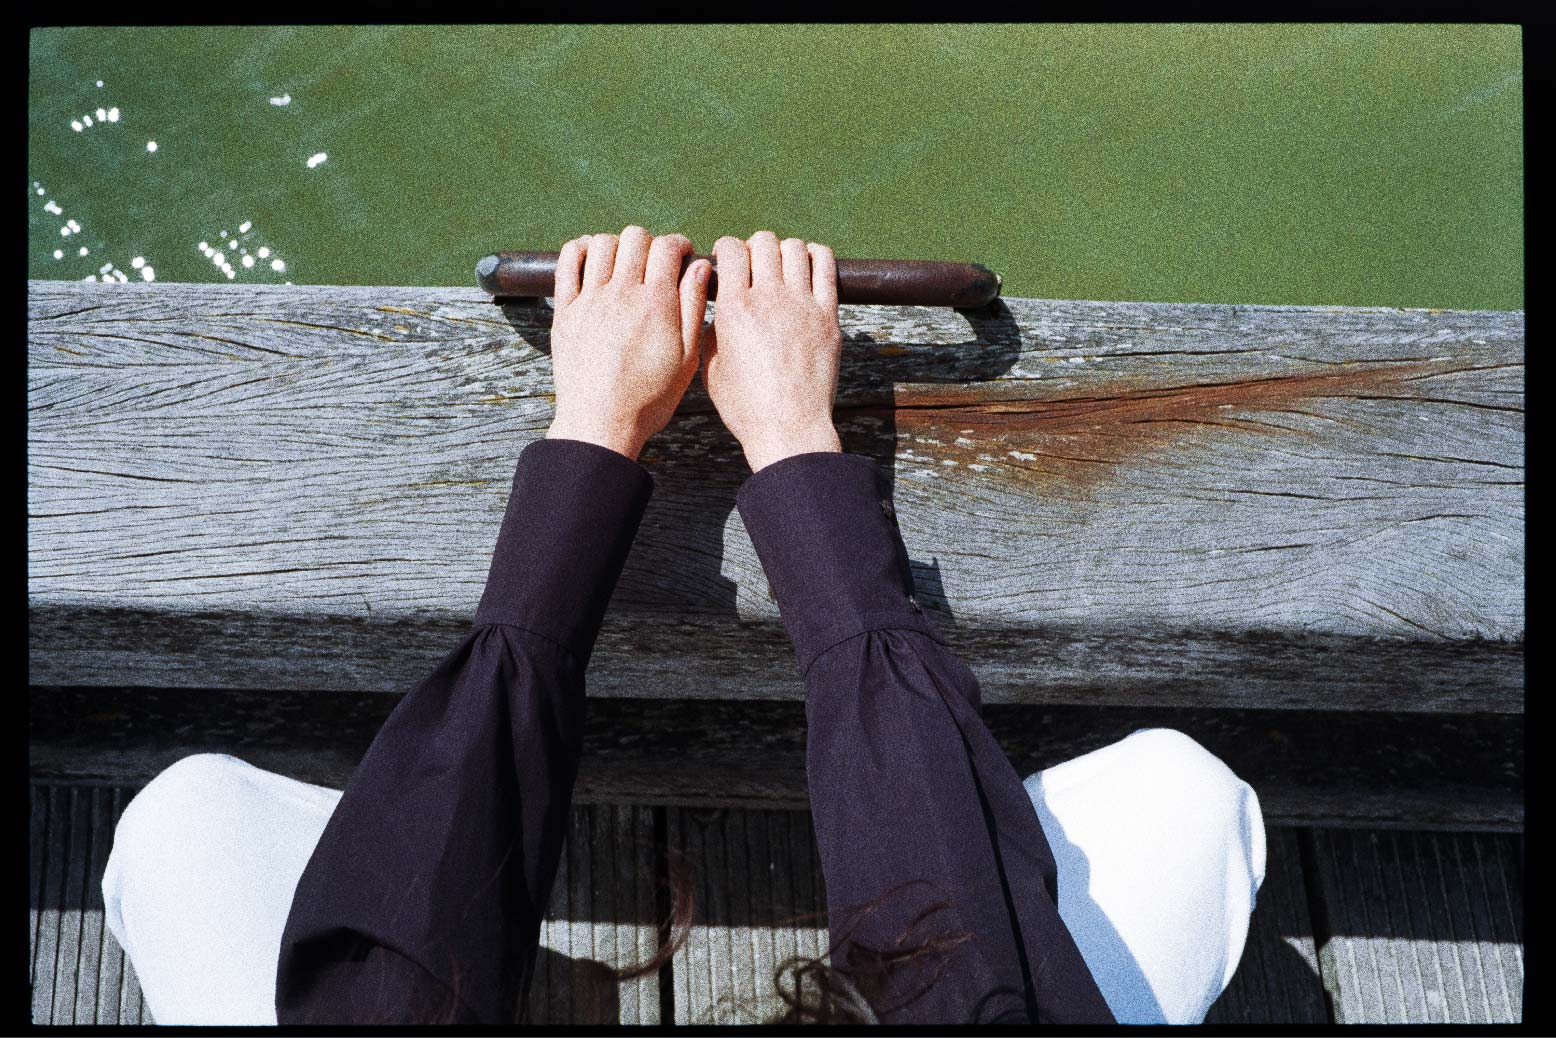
(770, 364)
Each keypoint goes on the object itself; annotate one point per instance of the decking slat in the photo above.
(599, 918)
(110, 970)
(1277, 980)
(37, 835)
(97, 805)
(56, 838)
(79, 973)
(758, 906)
(1424, 926)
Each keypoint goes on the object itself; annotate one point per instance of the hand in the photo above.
(771, 364)
(624, 336)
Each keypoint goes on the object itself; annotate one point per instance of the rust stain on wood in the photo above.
(401, 310)
(1082, 439)
(452, 483)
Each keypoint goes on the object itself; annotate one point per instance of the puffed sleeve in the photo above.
(423, 898)
(926, 836)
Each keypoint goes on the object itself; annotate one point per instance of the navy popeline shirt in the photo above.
(423, 900)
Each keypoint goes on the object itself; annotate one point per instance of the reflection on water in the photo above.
(1351, 164)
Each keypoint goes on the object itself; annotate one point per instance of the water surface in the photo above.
(1324, 164)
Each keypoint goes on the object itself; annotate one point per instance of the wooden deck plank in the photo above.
(1424, 927)
(1278, 979)
(1340, 473)
(72, 902)
(111, 968)
(79, 973)
(1311, 768)
(632, 829)
(58, 847)
(758, 907)
(37, 846)
(97, 806)
(600, 918)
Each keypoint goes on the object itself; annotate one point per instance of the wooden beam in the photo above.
(1294, 507)
(1331, 768)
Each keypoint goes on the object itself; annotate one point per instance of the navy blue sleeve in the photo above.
(927, 837)
(423, 899)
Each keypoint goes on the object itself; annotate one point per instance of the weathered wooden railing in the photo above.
(1252, 507)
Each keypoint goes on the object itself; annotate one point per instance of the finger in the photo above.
(766, 267)
(796, 263)
(823, 274)
(694, 301)
(601, 256)
(631, 255)
(664, 259)
(569, 271)
(734, 262)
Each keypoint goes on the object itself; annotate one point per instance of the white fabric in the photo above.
(1160, 850)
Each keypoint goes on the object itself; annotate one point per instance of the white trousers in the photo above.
(1160, 851)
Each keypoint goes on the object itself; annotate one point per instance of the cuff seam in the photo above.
(559, 643)
(903, 624)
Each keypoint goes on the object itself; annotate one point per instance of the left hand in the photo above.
(624, 336)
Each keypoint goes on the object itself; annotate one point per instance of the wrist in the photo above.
(623, 441)
(812, 440)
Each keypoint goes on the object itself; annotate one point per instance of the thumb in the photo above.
(694, 302)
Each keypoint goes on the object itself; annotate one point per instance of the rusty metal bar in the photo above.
(892, 282)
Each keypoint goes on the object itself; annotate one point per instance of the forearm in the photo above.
(920, 819)
(422, 901)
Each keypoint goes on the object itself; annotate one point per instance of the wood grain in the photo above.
(80, 974)
(1424, 927)
(758, 906)
(600, 918)
(1068, 476)
(1309, 768)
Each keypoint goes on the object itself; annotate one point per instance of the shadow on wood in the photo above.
(694, 490)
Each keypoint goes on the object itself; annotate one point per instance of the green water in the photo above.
(1324, 164)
